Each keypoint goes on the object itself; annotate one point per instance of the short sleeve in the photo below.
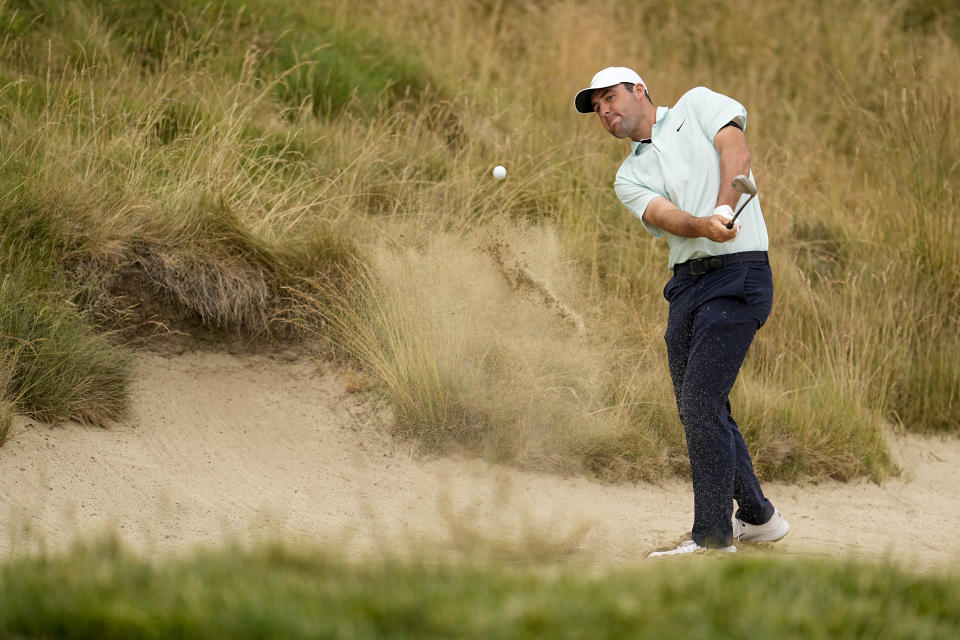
(636, 198)
(714, 110)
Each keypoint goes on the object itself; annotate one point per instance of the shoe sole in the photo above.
(700, 551)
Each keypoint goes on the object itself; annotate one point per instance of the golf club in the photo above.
(743, 184)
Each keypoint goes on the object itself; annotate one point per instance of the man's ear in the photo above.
(639, 90)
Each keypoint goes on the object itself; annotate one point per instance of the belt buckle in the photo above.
(703, 266)
(695, 267)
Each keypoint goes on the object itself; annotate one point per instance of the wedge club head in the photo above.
(744, 185)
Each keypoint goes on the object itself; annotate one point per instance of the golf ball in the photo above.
(499, 172)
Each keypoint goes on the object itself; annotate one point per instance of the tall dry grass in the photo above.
(233, 168)
(184, 177)
(852, 191)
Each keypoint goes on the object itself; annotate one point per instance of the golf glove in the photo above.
(727, 212)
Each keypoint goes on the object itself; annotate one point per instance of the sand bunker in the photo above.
(223, 447)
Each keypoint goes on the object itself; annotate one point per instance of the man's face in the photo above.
(621, 111)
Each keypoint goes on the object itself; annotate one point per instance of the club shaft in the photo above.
(734, 218)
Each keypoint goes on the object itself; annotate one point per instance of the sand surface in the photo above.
(237, 448)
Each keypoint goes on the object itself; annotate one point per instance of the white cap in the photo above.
(606, 78)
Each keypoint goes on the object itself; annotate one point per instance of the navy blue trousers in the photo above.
(713, 319)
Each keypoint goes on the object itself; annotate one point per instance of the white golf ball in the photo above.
(499, 172)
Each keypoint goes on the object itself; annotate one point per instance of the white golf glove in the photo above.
(725, 211)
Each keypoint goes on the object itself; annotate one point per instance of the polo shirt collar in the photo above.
(637, 147)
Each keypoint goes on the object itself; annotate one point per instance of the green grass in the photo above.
(333, 69)
(276, 592)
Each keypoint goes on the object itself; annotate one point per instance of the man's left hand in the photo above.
(716, 229)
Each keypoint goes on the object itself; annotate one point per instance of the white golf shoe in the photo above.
(771, 531)
(690, 547)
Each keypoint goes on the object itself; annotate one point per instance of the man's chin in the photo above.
(616, 132)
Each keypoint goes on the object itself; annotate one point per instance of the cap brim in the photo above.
(582, 101)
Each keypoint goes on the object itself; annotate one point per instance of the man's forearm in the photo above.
(665, 215)
(731, 166)
(677, 222)
(734, 160)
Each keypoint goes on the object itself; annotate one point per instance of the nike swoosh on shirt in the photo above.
(681, 124)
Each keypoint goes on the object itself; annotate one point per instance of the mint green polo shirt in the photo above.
(682, 165)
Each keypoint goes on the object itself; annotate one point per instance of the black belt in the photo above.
(701, 266)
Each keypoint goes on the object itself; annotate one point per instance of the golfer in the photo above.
(677, 181)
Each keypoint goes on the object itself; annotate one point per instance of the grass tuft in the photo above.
(57, 367)
(6, 398)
